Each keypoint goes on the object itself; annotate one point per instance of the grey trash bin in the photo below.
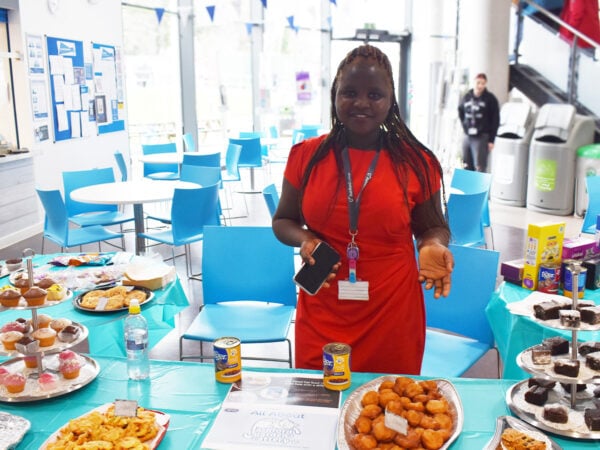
(587, 165)
(511, 154)
(557, 135)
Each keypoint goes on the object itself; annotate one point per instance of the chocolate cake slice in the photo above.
(556, 413)
(547, 310)
(591, 315)
(592, 360)
(567, 367)
(536, 395)
(569, 318)
(585, 304)
(579, 387)
(592, 419)
(540, 354)
(558, 345)
(585, 348)
(542, 382)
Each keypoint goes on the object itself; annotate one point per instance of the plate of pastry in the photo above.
(513, 434)
(110, 299)
(146, 430)
(372, 406)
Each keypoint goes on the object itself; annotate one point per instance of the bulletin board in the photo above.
(66, 71)
(86, 87)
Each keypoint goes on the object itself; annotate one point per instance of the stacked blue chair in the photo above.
(250, 156)
(592, 211)
(160, 171)
(464, 219)
(271, 197)
(56, 224)
(122, 165)
(247, 290)
(458, 330)
(189, 143)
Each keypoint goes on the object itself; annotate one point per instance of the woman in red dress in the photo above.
(374, 302)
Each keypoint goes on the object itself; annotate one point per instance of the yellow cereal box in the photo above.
(543, 244)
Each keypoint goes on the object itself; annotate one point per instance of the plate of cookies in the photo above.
(110, 299)
(514, 434)
(406, 412)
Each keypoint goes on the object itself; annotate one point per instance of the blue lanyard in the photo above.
(354, 203)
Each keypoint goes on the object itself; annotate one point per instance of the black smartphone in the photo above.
(311, 278)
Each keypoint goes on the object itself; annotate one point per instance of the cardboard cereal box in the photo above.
(543, 244)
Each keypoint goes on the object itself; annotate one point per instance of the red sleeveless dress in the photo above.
(387, 332)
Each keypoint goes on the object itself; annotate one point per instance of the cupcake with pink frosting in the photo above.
(15, 382)
(3, 373)
(48, 381)
(66, 354)
(70, 368)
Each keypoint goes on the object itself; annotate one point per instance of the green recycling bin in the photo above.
(588, 164)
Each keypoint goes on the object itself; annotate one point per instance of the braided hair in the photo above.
(403, 147)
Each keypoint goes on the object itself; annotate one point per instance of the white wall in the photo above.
(85, 20)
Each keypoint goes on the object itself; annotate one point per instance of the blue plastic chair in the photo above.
(470, 182)
(231, 174)
(89, 214)
(247, 289)
(191, 211)
(122, 165)
(56, 224)
(464, 219)
(250, 156)
(458, 331)
(592, 184)
(202, 159)
(271, 197)
(160, 171)
(189, 143)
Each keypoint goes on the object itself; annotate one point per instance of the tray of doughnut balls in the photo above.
(45, 292)
(22, 337)
(546, 404)
(558, 312)
(23, 380)
(552, 359)
(401, 411)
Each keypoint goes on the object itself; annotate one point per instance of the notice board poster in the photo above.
(108, 99)
(65, 62)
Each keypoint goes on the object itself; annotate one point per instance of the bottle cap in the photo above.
(134, 306)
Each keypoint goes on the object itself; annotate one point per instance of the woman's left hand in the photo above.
(435, 266)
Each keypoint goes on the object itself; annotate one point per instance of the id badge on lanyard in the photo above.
(354, 288)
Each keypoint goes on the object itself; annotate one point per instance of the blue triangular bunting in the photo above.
(211, 12)
(333, 1)
(264, 3)
(290, 20)
(159, 13)
(248, 28)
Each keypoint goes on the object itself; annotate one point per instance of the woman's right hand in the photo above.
(307, 248)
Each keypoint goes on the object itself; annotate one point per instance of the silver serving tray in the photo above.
(504, 422)
(88, 373)
(58, 345)
(586, 375)
(352, 407)
(78, 299)
(23, 304)
(532, 414)
(12, 429)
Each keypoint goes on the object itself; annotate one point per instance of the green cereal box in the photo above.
(543, 244)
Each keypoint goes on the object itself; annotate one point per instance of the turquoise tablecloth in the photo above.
(189, 393)
(514, 333)
(106, 329)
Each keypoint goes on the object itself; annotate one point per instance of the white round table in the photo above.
(131, 192)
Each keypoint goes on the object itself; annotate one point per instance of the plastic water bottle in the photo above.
(136, 343)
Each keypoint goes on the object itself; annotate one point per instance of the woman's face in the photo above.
(363, 100)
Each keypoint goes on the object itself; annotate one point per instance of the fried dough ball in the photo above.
(432, 440)
(394, 407)
(437, 406)
(363, 425)
(413, 417)
(407, 404)
(387, 384)
(423, 398)
(429, 422)
(444, 420)
(370, 398)
(413, 389)
(364, 442)
(429, 385)
(400, 384)
(371, 411)
(387, 396)
(412, 439)
(382, 433)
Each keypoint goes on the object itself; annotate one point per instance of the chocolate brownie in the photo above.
(569, 318)
(592, 360)
(542, 382)
(558, 345)
(585, 304)
(536, 395)
(556, 413)
(567, 367)
(567, 387)
(585, 348)
(591, 315)
(547, 310)
(592, 419)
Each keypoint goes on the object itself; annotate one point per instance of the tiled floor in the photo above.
(509, 226)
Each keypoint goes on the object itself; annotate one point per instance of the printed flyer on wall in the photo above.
(272, 410)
